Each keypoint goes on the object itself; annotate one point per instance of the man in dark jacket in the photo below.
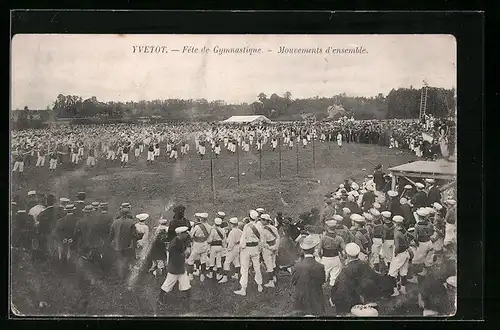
(177, 221)
(409, 219)
(420, 198)
(378, 178)
(123, 238)
(308, 278)
(176, 266)
(46, 223)
(433, 194)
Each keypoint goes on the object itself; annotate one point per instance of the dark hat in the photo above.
(379, 166)
(51, 199)
(179, 208)
(81, 195)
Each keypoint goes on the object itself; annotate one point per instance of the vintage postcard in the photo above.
(233, 175)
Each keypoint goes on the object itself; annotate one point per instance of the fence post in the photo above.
(260, 161)
(279, 151)
(212, 174)
(297, 152)
(238, 160)
(314, 163)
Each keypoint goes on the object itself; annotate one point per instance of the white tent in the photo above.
(247, 119)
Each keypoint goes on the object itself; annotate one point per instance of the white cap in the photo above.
(364, 311)
(352, 249)
(309, 242)
(218, 221)
(359, 218)
(452, 281)
(346, 210)
(419, 185)
(403, 201)
(375, 212)
(260, 210)
(204, 215)
(392, 193)
(341, 185)
(233, 220)
(368, 216)
(422, 212)
(430, 210)
(31, 192)
(429, 180)
(182, 229)
(221, 214)
(450, 201)
(354, 216)
(386, 214)
(397, 219)
(331, 223)
(408, 186)
(338, 217)
(253, 215)
(437, 206)
(376, 205)
(265, 217)
(64, 200)
(142, 216)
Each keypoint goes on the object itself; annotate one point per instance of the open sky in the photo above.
(105, 66)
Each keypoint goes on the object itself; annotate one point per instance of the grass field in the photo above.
(149, 188)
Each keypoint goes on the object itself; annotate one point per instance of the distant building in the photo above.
(248, 119)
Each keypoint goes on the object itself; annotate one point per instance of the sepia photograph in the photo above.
(236, 176)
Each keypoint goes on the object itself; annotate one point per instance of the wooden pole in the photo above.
(260, 161)
(297, 152)
(279, 152)
(212, 174)
(314, 163)
(238, 160)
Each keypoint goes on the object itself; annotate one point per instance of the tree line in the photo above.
(398, 103)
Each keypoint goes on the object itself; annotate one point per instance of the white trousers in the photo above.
(137, 152)
(199, 251)
(111, 155)
(247, 254)
(399, 265)
(376, 251)
(215, 258)
(124, 158)
(157, 152)
(333, 266)
(450, 234)
(173, 154)
(90, 161)
(387, 250)
(141, 148)
(52, 164)
(172, 279)
(424, 254)
(74, 158)
(151, 155)
(202, 150)
(269, 258)
(233, 257)
(40, 161)
(18, 166)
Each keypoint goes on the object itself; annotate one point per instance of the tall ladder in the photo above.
(423, 101)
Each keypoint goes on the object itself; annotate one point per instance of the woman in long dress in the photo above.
(443, 142)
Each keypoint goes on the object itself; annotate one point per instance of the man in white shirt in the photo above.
(250, 244)
(233, 250)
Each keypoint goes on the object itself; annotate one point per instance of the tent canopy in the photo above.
(440, 170)
(247, 119)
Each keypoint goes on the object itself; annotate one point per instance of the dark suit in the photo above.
(175, 223)
(409, 219)
(378, 179)
(308, 278)
(355, 280)
(434, 195)
(419, 199)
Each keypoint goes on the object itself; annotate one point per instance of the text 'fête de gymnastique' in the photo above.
(246, 50)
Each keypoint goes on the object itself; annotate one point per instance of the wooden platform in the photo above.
(440, 169)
